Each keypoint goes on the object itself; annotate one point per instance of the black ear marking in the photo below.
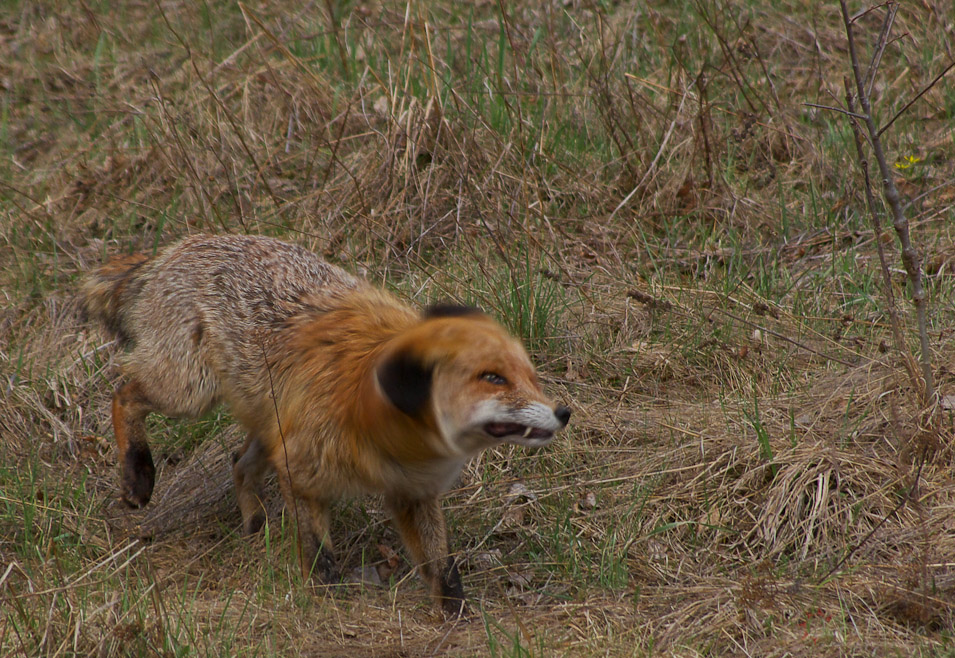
(446, 310)
(406, 382)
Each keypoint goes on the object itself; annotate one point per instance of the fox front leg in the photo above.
(422, 528)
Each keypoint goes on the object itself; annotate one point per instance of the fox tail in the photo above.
(108, 292)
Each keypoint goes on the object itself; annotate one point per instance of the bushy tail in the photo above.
(109, 290)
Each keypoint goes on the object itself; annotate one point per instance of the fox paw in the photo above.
(139, 477)
(455, 609)
(254, 524)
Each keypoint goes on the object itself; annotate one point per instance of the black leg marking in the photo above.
(324, 567)
(452, 591)
(255, 524)
(139, 476)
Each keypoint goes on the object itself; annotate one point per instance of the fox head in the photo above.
(475, 381)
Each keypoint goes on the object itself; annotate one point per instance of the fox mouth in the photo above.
(502, 430)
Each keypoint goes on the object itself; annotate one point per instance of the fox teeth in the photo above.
(528, 431)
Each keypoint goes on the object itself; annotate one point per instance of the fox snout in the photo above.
(563, 415)
(532, 425)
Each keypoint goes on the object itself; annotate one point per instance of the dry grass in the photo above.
(640, 192)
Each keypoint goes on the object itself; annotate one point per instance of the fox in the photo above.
(341, 388)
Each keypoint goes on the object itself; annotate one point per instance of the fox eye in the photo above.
(493, 378)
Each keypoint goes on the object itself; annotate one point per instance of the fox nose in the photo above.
(563, 414)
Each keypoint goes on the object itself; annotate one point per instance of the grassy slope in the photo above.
(641, 193)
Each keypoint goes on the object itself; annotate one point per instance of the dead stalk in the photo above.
(910, 257)
(900, 345)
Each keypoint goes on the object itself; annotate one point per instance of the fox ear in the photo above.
(405, 381)
(449, 311)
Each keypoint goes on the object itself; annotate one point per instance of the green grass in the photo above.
(181, 438)
(527, 302)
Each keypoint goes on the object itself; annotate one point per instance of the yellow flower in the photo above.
(907, 162)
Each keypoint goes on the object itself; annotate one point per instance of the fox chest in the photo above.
(330, 470)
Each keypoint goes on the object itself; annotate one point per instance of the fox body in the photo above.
(341, 388)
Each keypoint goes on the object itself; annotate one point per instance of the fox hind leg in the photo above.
(130, 408)
(311, 518)
(248, 473)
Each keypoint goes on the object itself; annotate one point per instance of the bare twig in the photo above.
(882, 42)
(910, 257)
(202, 194)
(907, 357)
(288, 470)
(665, 305)
(916, 97)
(783, 337)
(848, 113)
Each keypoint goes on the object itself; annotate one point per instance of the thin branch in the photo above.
(840, 110)
(910, 257)
(664, 305)
(784, 338)
(865, 12)
(881, 44)
(900, 345)
(916, 97)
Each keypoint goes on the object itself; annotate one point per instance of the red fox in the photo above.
(342, 388)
